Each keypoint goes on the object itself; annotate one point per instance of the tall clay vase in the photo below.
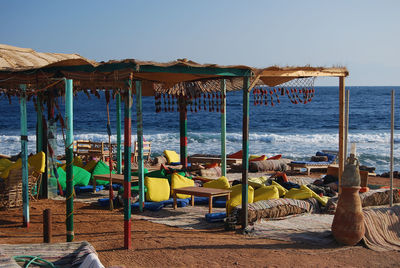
(348, 222)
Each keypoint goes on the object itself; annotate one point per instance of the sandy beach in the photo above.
(158, 245)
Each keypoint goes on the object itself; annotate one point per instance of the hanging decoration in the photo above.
(300, 90)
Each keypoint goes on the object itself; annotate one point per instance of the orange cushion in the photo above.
(237, 155)
(212, 165)
(275, 157)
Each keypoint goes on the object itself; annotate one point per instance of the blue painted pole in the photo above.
(139, 117)
(119, 152)
(127, 166)
(245, 148)
(223, 127)
(69, 157)
(39, 125)
(24, 155)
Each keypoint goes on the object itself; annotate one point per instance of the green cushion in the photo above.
(81, 177)
(101, 169)
(157, 174)
(136, 173)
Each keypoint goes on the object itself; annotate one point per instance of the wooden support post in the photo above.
(47, 226)
(24, 156)
(391, 151)
(119, 152)
(245, 148)
(223, 127)
(139, 118)
(341, 129)
(183, 130)
(39, 125)
(69, 157)
(127, 166)
(346, 133)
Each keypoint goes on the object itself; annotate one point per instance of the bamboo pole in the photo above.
(127, 166)
(119, 152)
(24, 156)
(341, 128)
(139, 116)
(391, 151)
(183, 131)
(245, 148)
(346, 133)
(223, 127)
(69, 157)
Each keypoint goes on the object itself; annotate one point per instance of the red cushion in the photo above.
(275, 157)
(237, 155)
(212, 165)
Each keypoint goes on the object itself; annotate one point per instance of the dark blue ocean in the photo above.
(296, 131)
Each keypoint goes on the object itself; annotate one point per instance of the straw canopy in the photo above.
(39, 71)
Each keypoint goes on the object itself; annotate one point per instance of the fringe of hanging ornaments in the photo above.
(213, 101)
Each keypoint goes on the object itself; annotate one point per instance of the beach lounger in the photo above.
(308, 165)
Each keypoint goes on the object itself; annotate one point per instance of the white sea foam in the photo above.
(373, 148)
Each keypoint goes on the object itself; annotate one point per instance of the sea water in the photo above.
(296, 131)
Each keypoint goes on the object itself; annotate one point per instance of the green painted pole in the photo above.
(24, 155)
(139, 117)
(245, 148)
(39, 125)
(69, 157)
(119, 152)
(127, 166)
(183, 131)
(223, 127)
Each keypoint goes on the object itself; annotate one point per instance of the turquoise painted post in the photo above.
(223, 127)
(119, 152)
(139, 117)
(245, 148)
(127, 166)
(39, 125)
(69, 157)
(24, 155)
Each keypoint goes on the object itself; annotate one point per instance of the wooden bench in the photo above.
(205, 160)
(87, 149)
(201, 191)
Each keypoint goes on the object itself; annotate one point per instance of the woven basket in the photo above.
(11, 189)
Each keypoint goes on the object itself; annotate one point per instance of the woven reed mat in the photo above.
(306, 228)
(382, 228)
(70, 254)
(183, 217)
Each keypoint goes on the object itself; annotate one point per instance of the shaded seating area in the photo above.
(321, 160)
(87, 149)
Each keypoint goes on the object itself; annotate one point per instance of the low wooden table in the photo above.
(116, 178)
(201, 191)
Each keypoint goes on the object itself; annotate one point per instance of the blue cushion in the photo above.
(311, 163)
(331, 157)
(200, 200)
(116, 186)
(215, 217)
(105, 202)
(219, 203)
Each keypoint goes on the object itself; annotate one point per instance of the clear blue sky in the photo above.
(364, 35)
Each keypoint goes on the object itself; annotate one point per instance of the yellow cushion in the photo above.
(236, 197)
(179, 181)
(303, 193)
(252, 156)
(257, 182)
(4, 163)
(77, 162)
(90, 165)
(16, 165)
(157, 189)
(266, 193)
(221, 183)
(38, 161)
(172, 156)
(282, 190)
